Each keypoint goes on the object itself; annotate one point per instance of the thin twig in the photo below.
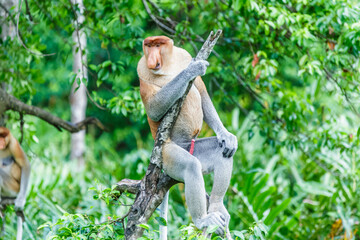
(229, 96)
(160, 24)
(21, 41)
(28, 10)
(332, 78)
(320, 164)
(93, 101)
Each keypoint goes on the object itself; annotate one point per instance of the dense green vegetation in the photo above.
(284, 78)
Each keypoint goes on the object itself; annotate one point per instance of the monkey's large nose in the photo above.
(154, 65)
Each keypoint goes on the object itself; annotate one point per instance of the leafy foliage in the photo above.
(284, 78)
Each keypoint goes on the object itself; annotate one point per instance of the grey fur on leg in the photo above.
(210, 155)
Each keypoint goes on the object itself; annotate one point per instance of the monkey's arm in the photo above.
(226, 139)
(23, 162)
(158, 103)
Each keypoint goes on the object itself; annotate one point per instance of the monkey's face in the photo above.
(157, 51)
(4, 137)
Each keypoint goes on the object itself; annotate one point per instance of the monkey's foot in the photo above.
(214, 218)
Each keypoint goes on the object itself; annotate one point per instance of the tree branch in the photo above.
(9, 102)
(153, 187)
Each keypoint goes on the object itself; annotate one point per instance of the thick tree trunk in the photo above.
(156, 183)
(78, 98)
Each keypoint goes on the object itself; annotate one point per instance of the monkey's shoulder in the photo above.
(181, 53)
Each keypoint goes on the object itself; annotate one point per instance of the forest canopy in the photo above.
(284, 78)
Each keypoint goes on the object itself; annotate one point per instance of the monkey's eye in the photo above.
(157, 45)
(149, 46)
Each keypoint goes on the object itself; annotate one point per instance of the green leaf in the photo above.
(211, 229)
(145, 226)
(302, 60)
(239, 234)
(276, 211)
(106, 64)
(161, 221)
(93, 67)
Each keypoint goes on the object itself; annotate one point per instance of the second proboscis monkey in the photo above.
(14, 172)
(164, 72)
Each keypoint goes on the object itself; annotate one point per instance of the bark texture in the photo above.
(156, 183)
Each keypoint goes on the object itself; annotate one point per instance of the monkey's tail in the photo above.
(164, 206)
(19, 228)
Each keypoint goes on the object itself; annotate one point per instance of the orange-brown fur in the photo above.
(190, 119)
(11, 174)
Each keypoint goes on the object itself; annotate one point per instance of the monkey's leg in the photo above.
(182, 166)
(210, 155)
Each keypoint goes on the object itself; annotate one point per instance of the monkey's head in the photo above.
(157, 51)
(4, 137)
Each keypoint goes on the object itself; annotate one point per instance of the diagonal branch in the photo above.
(9, 102)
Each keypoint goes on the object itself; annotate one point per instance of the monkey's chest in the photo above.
(189, 122)
(10, 173)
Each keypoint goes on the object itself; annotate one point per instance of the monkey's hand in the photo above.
(214, 218)
(228, 142)
(220, 208)
(197, 68)
(19, 204)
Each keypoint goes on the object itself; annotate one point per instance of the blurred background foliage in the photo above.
(284, 78)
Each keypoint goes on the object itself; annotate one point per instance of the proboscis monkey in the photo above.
(14, 173)
(164, 72)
